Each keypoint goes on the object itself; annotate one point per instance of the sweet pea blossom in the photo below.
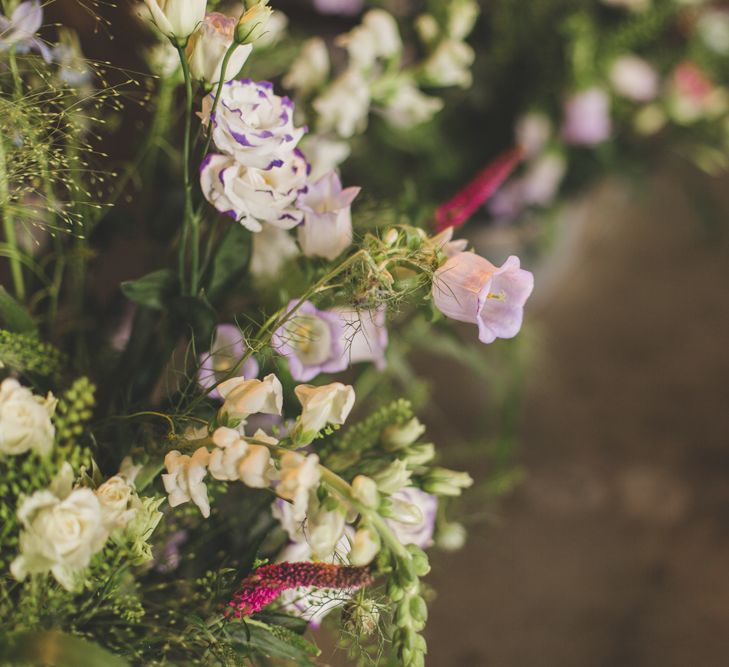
(226, 350)
(327, 228)
(243, 398)
(62, 528)
(312, 341)
(184, 479)
(253, 125)
(25, 420)
(208, 45)
(634, 78)
(298, 475)
(329, 404)
(469, 288)
(19, 31)
(254, 196)
(364, 335)
(344, 106)
(587, 118)
(413, 526)
(177, 19)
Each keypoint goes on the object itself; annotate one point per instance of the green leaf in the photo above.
(53, 648)
(273, 641)
(231, 261)
(152, 290)
(14, 315)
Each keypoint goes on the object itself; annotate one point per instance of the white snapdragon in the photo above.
(272, 249)
(393, 478)
(365, 546)
(344, 106)
(376, 37)
(177, 19)
(236, 459)
(324, 528)
(330, 404)
(62, 530)
(208, 45)
(299, 474)
(450, 64)
(408, 106)
(311, 69)
(243, 398)
(184, 479)
(25, 420)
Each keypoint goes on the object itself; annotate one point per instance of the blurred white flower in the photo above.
(25, 420)
(450, 64)
(408, 106)
(344, 106)
(533, 131)
(310, 69)
(116, 498)
(299, 474)
(634, 78)
(272, 249)
(324, 154)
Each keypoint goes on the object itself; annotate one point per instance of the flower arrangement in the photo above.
(201, 475)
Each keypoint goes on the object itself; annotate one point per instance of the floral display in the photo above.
(225, 278)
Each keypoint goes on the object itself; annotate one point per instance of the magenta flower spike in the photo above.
(263, 586)
(469, 288)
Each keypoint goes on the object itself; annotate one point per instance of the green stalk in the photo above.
(16, 267)
(221, 81)
(191, 223)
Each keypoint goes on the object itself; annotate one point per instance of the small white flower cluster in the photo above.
(376, 79)
(258, 173)
(25, 420)
(237, 457)
(63, 526)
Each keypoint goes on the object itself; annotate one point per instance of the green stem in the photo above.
(191, 223)
(216, 98)
(16, 267)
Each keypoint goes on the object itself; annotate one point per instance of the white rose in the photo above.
(310, 70)
(298, 475)
(25, 420)
(184, 479)
(254, 196)
(177, 18)
(115, 496)
(253, 125)
(60, 532)
(344, 106)
(449, 64)
(248, 397)
(330, 404)
(208, 45)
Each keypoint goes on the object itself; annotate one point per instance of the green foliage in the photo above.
(153, 290)
(14, 316)
(56, 649)
(73, 412)
(26, 353)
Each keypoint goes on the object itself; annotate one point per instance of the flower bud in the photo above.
(365, 547)
(420, 560)
(393, 478)
(444, 482)
(398, 437)
(364, 491)
(177, 18)
(208, 45)
(451, 536)
(402, 511)
(362, 618)
(390, 237)
(419, 455)
(418, 609)
(253, 23)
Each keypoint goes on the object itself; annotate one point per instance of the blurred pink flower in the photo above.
(587, 118)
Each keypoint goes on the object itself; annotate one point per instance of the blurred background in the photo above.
(599, 533)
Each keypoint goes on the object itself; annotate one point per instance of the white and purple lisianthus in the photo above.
(313, 341)
(469, 288)
(19, 31)
(253, 125)
(327, 228)
(254, 196)
(226, 350)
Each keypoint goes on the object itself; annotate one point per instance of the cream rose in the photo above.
(25, 420)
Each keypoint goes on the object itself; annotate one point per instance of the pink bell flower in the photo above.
(469, 288)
